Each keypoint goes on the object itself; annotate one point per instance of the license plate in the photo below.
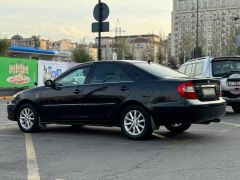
(209, 92)
(233, 83)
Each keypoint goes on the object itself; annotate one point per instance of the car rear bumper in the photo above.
(11, 111)
(193, 114)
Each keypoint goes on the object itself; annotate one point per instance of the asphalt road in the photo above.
(93, 153)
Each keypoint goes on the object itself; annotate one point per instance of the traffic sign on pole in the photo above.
(105, 11)
(100, 13)
(104, 27)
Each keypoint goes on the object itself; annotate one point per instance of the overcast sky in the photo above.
(71, 19)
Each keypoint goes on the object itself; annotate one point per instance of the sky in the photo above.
(72, 19)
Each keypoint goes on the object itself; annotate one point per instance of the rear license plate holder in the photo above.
(209, 92)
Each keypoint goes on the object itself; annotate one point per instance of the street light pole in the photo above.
(197, 34)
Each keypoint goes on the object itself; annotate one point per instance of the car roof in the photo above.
(226, 58)
(113, 61)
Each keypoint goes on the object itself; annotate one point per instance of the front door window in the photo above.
(74, 78)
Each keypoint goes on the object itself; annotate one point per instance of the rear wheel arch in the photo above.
(124, 106)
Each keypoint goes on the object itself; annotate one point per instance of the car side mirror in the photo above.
(48, 83)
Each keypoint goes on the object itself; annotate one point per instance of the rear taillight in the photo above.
(187, 91)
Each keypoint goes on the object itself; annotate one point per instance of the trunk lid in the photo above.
(207, 89)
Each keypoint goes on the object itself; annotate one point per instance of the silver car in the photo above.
(225, 69)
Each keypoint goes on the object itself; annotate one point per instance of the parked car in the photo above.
(135, 95)
(225, 69)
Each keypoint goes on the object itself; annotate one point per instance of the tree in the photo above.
(36, 42)
(173, 63)
(4, 46)
(162, 50)
(123, 50)
(81, 55)
(197, 52)
(149, 53)
(187, 47)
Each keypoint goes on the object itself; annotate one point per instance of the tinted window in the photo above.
(75, 77)
(199, 69)
(135, 73)
(222, 68)
(106, 72)
(159, 70)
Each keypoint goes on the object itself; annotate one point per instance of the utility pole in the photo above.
(99, 32)
(197, 34)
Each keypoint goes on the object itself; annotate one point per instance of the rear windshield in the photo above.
(159, 70)
(222, 68)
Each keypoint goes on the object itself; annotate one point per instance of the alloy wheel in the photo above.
(26, 118)
(134, 122)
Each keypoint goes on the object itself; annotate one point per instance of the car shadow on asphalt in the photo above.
(106, 133)
(231, 113)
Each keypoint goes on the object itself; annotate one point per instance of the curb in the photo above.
(5, 97)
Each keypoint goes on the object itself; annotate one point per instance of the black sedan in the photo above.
(137, 96)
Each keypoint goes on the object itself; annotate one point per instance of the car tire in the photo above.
(178, 128)
(136, 122)
(236, 108)
(28, 119)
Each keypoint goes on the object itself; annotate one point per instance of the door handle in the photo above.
(124, 88)
(77, 91)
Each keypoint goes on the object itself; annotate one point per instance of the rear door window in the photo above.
(108, 72)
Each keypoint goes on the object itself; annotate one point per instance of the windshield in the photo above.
(159, 70)
(225, 67)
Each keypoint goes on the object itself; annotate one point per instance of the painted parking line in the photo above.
(231, 124)
(32, 166)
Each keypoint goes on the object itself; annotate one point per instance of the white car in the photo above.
(225, 69)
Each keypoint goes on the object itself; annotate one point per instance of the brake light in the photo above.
(187, 91)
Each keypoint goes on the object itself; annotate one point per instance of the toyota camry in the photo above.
(137, 96)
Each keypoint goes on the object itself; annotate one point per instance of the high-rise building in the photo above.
(218, 27)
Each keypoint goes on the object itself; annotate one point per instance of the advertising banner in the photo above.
(16, 72)
(50, 70)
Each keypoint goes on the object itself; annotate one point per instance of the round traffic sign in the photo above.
(105, 11)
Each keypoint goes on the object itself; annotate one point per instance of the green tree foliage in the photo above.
(4, 45)
(81, 55)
